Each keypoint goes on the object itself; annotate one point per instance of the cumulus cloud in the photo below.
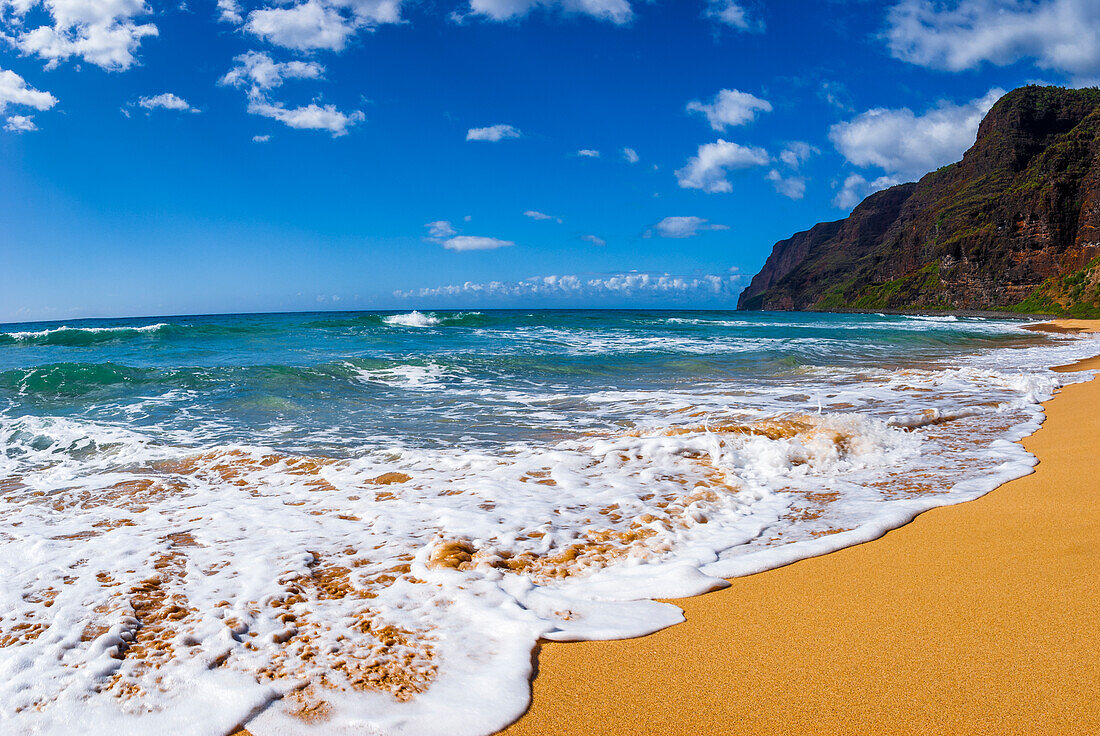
(708, 168)
(229, 11)
(166, 101)
(445, 234)
(440, 229)
(20, 124)
(474, 242)
(733, 15)
(261, 138)
(631, 156)
(14, 91)
(628, 285)
(792, 187)
(588, 153)
(615, 11)
(536, 215)
(371, 13)
(797, 153)
(104, 33)
(684, 227)
(320, 24)
(492, 133)
(594, 240)
(258, 72)
(905, 144)
(730, 107)
(305, 27)
(308, 117)
(856, 188)
(1059, 35)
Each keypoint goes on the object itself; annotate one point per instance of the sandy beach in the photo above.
(974, 619)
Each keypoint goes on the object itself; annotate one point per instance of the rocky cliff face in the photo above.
(1015, 225)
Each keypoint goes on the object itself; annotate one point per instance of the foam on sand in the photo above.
(990, 604)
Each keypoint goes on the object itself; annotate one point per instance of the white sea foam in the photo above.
(153, 582)
(87, 330)
(412, 376)
(412, 319)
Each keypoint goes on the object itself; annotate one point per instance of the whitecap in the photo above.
(412, 319)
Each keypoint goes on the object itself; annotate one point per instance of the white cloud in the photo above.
(309, 117)
(707, 169)
(20, 124)
(229, 11)
(371, 13)
(474, 242)
(730, 107)
(14, 91)
(685, 227)
(261, 138)
(102, 32)
(594, 240)
(797, 153)
(321, 24)
(733, 15)
(493, 133)
(260, 72)
(569, 287)
(615, 11)
(166, 101)
(792, 187)
(1060, 35)
(856, 188)
(444, 233)
(909, 145)
(440, 229)
(588, 153)
(536, 215)
(307, 26)
(631, 156)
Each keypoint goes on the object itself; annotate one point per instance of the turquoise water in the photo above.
(376, 516)
(336, 380)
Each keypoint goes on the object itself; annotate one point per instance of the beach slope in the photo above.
(982, 618)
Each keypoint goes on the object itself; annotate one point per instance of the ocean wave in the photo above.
(79, 336)
(412, 319)
(710, 322)
(71, 379)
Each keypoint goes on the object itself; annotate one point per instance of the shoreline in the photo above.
(974, 618)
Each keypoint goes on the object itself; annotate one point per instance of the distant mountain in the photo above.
(1013, 226)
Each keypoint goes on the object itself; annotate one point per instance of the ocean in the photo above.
(365, 522)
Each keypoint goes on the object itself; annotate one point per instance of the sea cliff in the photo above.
(1014, 225)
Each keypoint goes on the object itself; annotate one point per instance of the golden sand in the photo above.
(982, 618)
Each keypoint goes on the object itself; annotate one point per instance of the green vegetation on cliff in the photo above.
(1075, 294)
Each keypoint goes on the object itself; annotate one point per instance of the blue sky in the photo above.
(164, 158)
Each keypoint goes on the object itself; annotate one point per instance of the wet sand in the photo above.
(981, 618)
